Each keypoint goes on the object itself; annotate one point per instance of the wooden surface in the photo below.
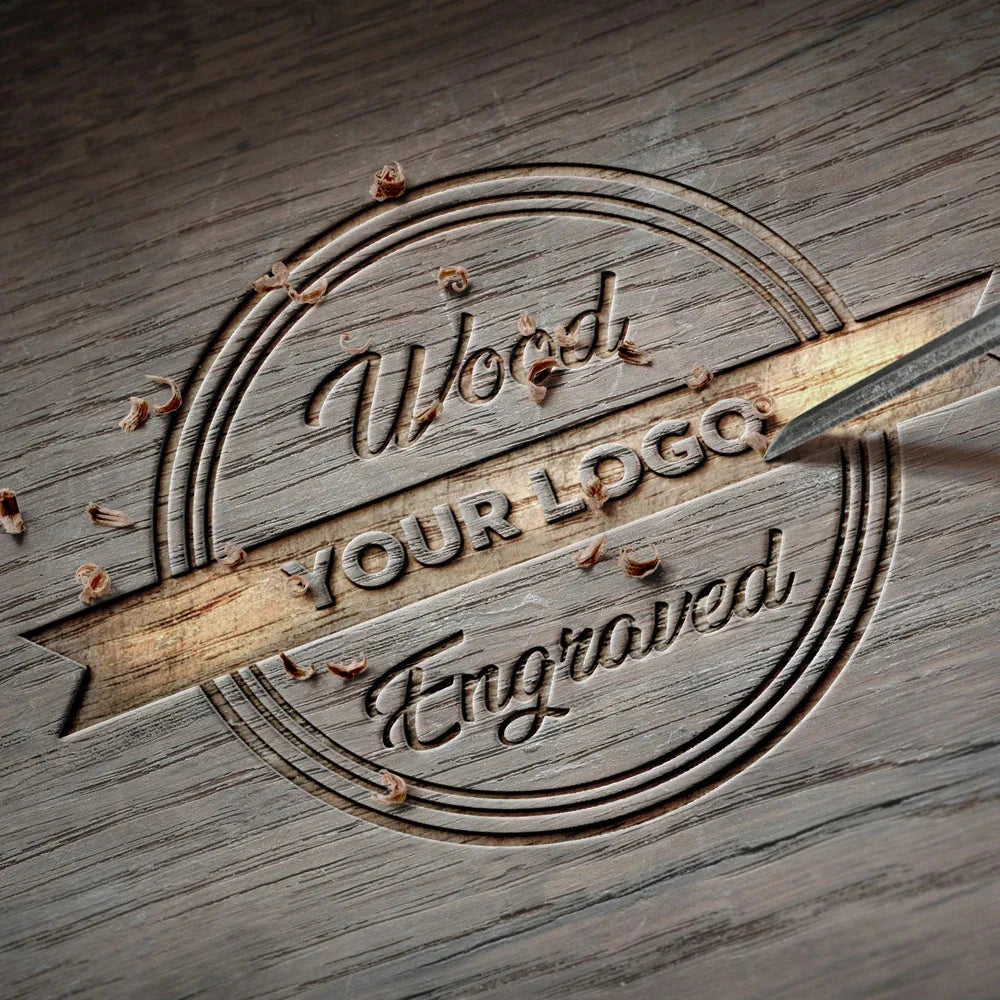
(786, 794)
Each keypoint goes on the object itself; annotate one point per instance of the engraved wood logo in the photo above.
(526, 698)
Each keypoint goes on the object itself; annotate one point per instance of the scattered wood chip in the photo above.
(95, 582)
(294, 671)
(590, 554)
(632, 354)
(631, 566)
(175, 395)
(347, 344)
(136, 416)
(296, 585)
(10, 513)
(349, 670)
(595, 494)
(395, 790)
(233, 557)
(539, 374)
(764, 407)
(311, 297)
(526, 326)
(454, 279)
(390, 182)
(756, 440)
(278, 278)
(109, 518)
(699, 378)
(564, 338)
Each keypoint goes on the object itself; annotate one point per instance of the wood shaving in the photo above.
(428, 413)
(756, 440)
(349, 670)
(764, 407)
(278, 278)
(395, 790)
(538, 376)
(595, 494)
(526, 326)
(294, 671)
(347, 344)
(699, 378)
(454, 279)
(10, 513)
(638, 567)
(109, 518)
(590, 554)
(632, 354)
(175, 395)
(311, 297)
(95, 582)
(136, 416)
(390, 182)
(234, 556)
(296, 585)
(564, 338)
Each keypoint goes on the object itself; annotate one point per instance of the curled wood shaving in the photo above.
(564, 338)
(175, 395)
(136, 416)
(395, 790)
(632, 354)
(526, 326)
(10, 513)
(764, 407)
(539, 374)
(428, 413)
(349, 670)
(390, 182)
(699, 378)
(296, 585)
(311, 297)
(109, 518)
(294, 671)
(234, 556)
(756, 440)
(638, 567)
(454, 279)
(278, 278)
(347, 344)
(595, 494)
(590, 554)
(95, 582)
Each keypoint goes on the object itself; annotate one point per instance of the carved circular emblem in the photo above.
(544, 701)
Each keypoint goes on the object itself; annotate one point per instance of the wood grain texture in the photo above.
(156, 159)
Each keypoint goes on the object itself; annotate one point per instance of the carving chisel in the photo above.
(971, 339)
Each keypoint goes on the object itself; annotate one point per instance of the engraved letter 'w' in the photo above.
(371, 400)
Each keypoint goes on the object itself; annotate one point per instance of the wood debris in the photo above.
(10, 513)
(109, 518)
(311, 297)
(639, 568)
(526, 326)
(699, 378)
(95, 582)
(764, 407)
(595, 494)
(349, 670)
(390, 182)
(175, 395)
(631, 353)
(294, 671)
(564, 338)
(454, 279)
(136, 416)
(590, 554)
(347, 344)
(538, 377)
(755, 440)
(233, 557)
(280, 277)
(296, 585)
(395, 790)
(428, 413)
